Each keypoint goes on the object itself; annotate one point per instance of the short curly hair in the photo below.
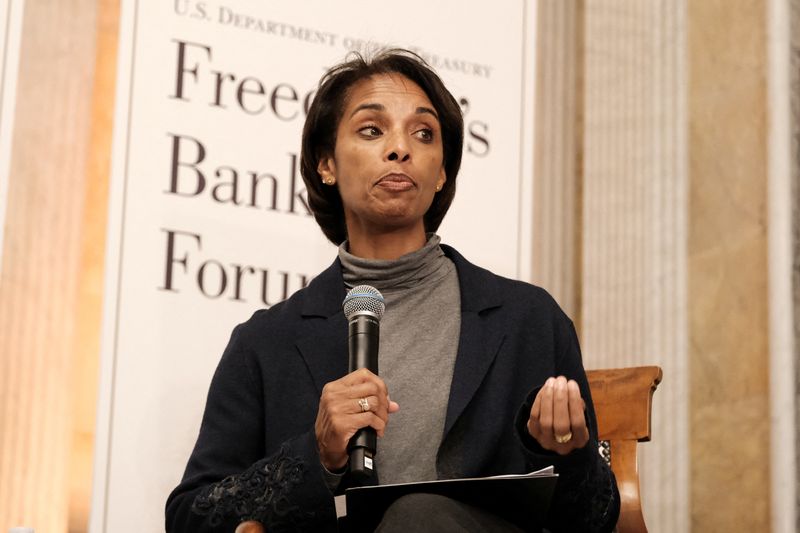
(327, 108)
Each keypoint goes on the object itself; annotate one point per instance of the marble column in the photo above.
(673, 263)
(635, 178)
(794, 194)
(89, 297)
(782, 205)
(556, 238)
(39, 288)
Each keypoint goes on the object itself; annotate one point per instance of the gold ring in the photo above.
(364, 403)
(563, 439)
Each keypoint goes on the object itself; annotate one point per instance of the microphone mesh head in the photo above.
(364, 298)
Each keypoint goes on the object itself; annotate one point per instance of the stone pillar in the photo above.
(794, 195)
(782, 211)
(635, 209)
(89, 297)
(674, 268)
(41, 287)
(556, 242)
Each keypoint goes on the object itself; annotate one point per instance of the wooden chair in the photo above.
(622, 402)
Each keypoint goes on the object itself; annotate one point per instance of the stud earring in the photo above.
(438, 188)
(329, 181)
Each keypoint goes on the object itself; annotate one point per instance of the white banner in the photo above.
(10, 34)
(209, 220)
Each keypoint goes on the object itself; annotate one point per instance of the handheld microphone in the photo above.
(363, 307)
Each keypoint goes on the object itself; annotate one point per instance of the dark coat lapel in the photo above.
(323, 340)
(480, 338)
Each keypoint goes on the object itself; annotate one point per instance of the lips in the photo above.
(396, 181)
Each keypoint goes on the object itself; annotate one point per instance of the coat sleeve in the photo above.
(230, 477)
(586, 496)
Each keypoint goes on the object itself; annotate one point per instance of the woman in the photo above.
(484, 373)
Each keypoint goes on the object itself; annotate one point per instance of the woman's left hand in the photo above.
(557, 421)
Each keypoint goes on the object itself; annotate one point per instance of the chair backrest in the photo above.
(622, 400)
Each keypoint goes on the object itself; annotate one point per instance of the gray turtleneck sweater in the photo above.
(418, 344)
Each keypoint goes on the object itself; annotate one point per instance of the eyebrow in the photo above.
(381, 107)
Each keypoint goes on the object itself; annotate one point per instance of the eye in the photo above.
(370, 131)
(425, 135)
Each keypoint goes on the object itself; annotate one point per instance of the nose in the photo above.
(397, 148)
(395, 156)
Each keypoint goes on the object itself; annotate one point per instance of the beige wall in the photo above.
(728, 266)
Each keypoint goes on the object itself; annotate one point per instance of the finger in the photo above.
(365, 404)
(535, 430)
(580, 430)
(576, 407)
(536, 408)
(561, 420)
(362, 390)
(393, 407)
(358, 376)
(379, 407)
(546, 410)
(341, 409)
(368, 419)
(363, 375)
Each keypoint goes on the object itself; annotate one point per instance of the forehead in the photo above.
(386, 87)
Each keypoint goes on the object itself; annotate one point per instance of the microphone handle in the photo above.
(363, 339)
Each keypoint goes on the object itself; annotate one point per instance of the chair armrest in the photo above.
(623, 405)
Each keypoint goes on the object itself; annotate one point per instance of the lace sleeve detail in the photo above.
(592, 490)
(262, 493)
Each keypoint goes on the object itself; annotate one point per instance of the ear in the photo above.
(326, 168)
(442, 179)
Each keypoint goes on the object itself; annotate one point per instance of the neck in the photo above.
(389, 244)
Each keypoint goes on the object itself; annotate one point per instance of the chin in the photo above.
(397, 212)
(397, 220)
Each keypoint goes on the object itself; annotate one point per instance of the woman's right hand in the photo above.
(340, 414)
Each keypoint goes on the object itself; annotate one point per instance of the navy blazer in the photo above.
(256, 454)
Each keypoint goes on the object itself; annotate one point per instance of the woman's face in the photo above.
(388, 160)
